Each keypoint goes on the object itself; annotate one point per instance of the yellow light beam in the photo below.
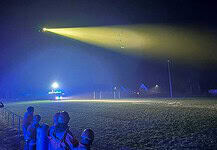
(155, 40)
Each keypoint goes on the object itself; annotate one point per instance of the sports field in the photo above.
(137, 124)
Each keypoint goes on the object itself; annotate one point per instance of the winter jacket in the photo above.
(68, 141)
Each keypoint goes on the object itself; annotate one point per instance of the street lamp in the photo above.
(169, 76)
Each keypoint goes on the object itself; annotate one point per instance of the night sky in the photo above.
(31, 60)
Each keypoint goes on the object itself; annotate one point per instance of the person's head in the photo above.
(30, 109)
(62, 122)
(36, 119)
(63, 117)
(55, 118)
(87, 137)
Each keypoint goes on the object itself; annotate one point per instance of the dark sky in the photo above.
(30, 60)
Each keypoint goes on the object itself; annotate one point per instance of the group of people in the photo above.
(56, 137)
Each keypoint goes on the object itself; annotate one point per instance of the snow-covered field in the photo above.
(137, 124)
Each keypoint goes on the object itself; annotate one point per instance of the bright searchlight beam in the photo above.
(155, 40)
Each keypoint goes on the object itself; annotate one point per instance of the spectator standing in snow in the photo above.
(60, 136)
(87, 138)
(27, 120)
(32, 131)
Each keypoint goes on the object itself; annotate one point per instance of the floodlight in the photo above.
(44, 29)
(55, 85)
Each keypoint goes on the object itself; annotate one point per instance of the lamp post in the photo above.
(170, 80)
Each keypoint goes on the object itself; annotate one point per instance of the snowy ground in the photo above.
(137, 124)
(9, 139)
